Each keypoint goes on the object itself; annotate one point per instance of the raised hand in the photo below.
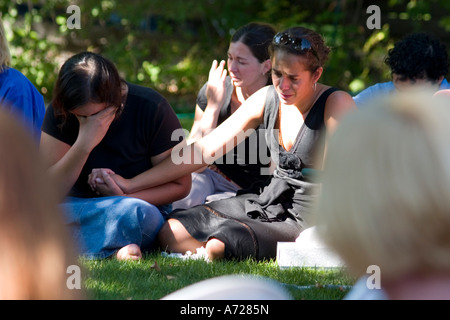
(216, 88)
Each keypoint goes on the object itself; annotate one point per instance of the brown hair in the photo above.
(86, 78)
(257, 37)
(316, 57)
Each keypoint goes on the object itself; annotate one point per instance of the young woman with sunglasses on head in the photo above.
(249, 67)
(298, 113)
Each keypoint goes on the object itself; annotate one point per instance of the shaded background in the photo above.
(169, 44)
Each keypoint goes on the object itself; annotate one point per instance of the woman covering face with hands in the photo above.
(98, 125)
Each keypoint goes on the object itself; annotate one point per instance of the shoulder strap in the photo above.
(315, 116)
(271, 107)
(324, 96)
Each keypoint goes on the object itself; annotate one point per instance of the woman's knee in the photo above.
(172, 231)
(164, 234)
(173, 236)
(151, 216)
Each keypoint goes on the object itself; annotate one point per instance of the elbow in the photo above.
(183, 186)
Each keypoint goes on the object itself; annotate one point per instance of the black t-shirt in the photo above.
(245, 162)
(143, 130)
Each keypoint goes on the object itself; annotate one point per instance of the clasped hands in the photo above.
(105, 182)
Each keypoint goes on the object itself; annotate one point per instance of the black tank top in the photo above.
(309, 145)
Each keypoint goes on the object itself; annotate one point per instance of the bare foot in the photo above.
(129, 252)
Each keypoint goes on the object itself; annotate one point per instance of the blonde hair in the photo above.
(386, 187)
(35, 247)
(5, 55)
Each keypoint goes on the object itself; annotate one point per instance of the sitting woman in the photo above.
(298, 113)
(96, 125)
(249, 66)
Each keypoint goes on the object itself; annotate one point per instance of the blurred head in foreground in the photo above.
(386, 183)
(35, 249)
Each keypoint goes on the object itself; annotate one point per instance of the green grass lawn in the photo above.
(156, 276)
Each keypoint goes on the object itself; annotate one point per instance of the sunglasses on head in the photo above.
(300, 45)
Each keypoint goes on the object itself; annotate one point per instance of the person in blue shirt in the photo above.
(17, 94)
(417, 59)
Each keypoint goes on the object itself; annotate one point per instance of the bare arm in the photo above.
(102, 182)
(66, 162)
(337, 105)
(188, 158)
(196, 131)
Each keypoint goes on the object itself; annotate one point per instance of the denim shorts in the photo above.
(101, 226)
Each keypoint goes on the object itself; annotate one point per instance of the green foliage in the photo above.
(32, 53)
(169, 45)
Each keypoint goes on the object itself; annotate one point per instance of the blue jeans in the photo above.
(101, 226)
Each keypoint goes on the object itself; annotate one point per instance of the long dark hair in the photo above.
(84, 78)
(257, 36)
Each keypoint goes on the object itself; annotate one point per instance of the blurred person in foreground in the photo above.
(36, 250)
(17, 93)
(388, 205)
